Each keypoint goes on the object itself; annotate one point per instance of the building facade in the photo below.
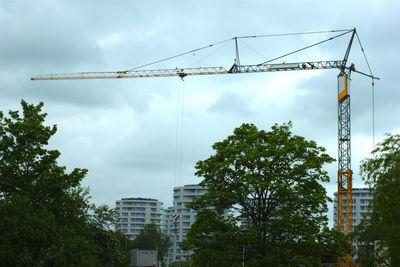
(361, 199)
(178, 219)
(135, 213)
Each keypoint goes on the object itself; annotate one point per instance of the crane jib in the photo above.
(182, 72)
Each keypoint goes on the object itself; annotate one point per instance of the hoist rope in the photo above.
(176, 135)
(179, 134)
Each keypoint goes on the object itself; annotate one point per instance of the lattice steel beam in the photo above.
(345, 187)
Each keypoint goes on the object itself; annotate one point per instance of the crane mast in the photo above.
(344, 173)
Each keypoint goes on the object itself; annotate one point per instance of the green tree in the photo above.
(382, 174)
(151, 238)
(270, 184)
(46, 216)
(218, 241)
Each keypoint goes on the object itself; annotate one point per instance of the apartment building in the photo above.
(135, 213)
(361, 199)
(178, 219)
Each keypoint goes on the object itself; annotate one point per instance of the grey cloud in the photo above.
(128, 126)
(233, 103)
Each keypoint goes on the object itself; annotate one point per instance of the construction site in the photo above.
(344, 67)
(212, 133)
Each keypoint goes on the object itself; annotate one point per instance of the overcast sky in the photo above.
(127, 132)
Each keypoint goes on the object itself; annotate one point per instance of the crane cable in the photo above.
(179, 134)
(209, 54)
(304, 48)
(289, 34)
(373, 90)
(179, 55)
(181, 138)
(254, 50)
(243, 37)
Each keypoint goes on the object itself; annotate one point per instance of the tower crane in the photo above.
(344, 173)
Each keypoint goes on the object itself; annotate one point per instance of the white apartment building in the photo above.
(177, 229)
(135, 213)
(361, 199)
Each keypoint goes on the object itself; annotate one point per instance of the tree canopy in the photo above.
(381, 230)
(268, 204)
(46, 216)
(151, 237)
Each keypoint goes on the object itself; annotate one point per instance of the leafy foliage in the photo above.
(47, 219)
(152, 238)
(212, 236)
(270, 182)
(382, 174)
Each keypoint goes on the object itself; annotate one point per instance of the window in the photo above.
(139, 203)
(137, 219)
